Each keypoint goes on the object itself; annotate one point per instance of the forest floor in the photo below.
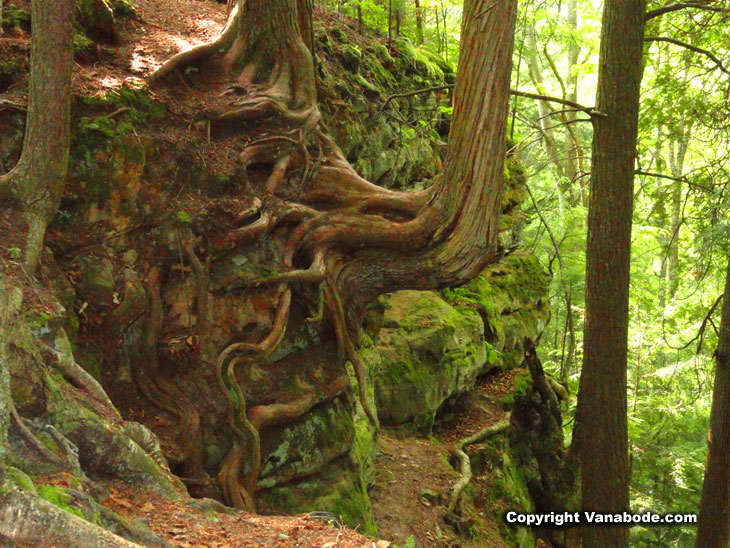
(414, 478)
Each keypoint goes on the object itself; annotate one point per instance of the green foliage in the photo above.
(184, 217)
(410, 543)
(15, 17)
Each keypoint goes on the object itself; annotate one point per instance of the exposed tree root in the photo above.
(201, 291)
(263, 416)
(30, 438)
(199, 53)
(29, 520)
(465, 473)
(78, 376)
(361, 240)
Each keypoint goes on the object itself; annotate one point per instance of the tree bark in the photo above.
(602, 422)
(714, 518)
(419, 23)
(37, 181)
(677, 154)
(362, 240)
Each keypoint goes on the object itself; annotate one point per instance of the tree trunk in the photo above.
(714, 518)
(419, 23)
(306, 26)
(390, 23)
(37, 181)
(544, 110)
(362, 240)
(602, 421)
(677, 154)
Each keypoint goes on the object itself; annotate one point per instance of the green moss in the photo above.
(351, 57)
(414, 59)
(522, 389)
(123, 8)
(15, 17)
(383, 54)
(21, 479)
(339, 35)
(59, 497)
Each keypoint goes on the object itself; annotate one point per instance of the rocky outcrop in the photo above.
(423, 348)
(426, 352)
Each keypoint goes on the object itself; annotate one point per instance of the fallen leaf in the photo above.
(120, 502)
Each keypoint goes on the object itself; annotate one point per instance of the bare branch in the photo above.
(517, 93)
(706, 53)
(681, 6)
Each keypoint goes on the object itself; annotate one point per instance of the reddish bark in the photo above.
(602, 430)
(714, 519)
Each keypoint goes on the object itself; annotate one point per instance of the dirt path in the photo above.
(184, 526)
(414, 478)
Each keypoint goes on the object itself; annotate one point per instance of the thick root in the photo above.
(465, 473)
(32, 521)
(202, 52)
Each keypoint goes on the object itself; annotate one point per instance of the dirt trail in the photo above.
(414, 479)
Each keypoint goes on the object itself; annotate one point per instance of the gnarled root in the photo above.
(465, 473)
(200, 53)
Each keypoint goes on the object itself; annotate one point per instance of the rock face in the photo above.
(427, 351)
(512, 298)
(431, 347)
(426, 348)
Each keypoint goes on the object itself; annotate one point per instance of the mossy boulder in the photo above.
(512, 296)
(323, 461)
(429, 351)
(351, 57)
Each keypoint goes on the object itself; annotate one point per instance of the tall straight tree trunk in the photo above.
(306, 26)
(677, 154)
(602, 421)
(36, 182)
(390, 23)
(714, 519)
(572, 147)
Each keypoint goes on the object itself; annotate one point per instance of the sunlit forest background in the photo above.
(681, 223)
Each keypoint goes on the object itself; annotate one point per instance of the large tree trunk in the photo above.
(37, 181)
(714, 519)
(602, 422)
(361, 240)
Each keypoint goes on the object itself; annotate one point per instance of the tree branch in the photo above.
(515, 92)
(690, 47)
(660, 176)
(681, 6)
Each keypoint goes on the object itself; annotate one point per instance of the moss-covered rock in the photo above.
(351, 57)
(96, 17)
(429, 351)
(512, 296)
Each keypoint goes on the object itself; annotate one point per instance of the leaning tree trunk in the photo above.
(602, 422)
(359, 239)
(714, 520)
(36, 182)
